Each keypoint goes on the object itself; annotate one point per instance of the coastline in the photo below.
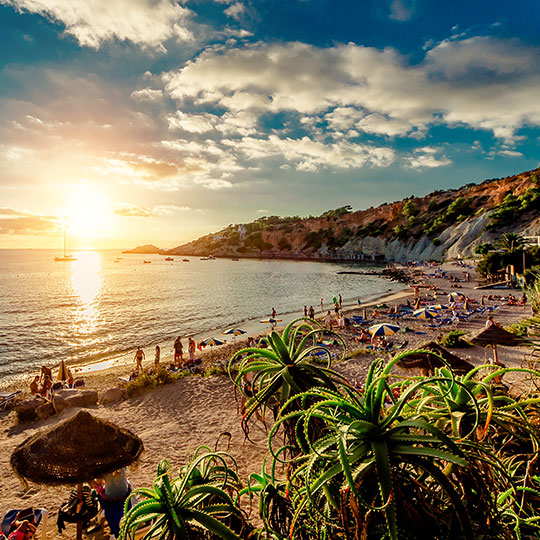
(174, 419)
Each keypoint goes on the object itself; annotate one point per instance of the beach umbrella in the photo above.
(495, 335)
(234, 332)
(427, 362)
(383, 329)
(75, 451)
(425, 313)
(437, 306)
(210, 341)
(455, 296)
(62, 372)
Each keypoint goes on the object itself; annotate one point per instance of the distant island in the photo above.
(443, 224)
(148, 249)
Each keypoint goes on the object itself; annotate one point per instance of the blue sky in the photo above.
(152, 121)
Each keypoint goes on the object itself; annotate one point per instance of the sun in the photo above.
(88, 213)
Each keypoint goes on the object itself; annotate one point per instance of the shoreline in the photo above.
(125, 363)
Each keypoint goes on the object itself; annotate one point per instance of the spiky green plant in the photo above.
(191, 506)
(286, 368)
(373, 468)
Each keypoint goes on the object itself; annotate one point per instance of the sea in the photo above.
(93, 312)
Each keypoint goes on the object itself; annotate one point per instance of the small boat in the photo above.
(235, 259)
(204, 259)
(211, 258)
(169, 259)
(186, 260)
(147, 262)
(65, 258)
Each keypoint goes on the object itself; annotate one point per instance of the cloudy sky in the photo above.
(155, 121)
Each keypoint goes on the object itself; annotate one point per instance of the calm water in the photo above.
(98, 308)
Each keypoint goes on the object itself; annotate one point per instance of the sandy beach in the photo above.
(173, 420)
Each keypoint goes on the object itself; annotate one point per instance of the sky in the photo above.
(153, 121)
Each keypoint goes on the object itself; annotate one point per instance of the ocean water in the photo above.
(99, 308)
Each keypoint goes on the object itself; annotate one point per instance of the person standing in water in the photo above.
(139, 357)
(157, 356)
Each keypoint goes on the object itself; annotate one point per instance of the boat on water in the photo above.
(169, 259)
(235, 259)
(147, 262)
(186, 260)
(66, 257)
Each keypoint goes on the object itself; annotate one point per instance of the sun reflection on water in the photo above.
(87, 284)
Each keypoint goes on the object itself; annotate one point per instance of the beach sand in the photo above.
(173, 420)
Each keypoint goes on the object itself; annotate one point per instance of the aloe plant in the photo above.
(190, 506)
(372, 464)
(286, 368)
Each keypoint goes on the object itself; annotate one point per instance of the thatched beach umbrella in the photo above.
(76, 451)
(495, 335)
(427, 362)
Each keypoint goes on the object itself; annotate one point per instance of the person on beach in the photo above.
(45, 372)
(157, 355)
(34, 386)
(274, 313)
(178, 351)
(340, 301)
(305, 311)
(139, 357)
(311, 312)
(490, 321)
(70, 379)
(328, 320)
(46, 388)
(322, 305)
(191, 350)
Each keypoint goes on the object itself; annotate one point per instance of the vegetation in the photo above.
(419, 457)
(454, 339)
(149, 379)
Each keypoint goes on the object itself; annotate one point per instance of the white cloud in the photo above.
(143, 22)
(402, 10)
(371, 90)
(310, 155)
(236, 10)
(147, 94)
(426, 158)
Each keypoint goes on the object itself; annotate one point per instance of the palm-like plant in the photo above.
(511, 242)
(286, 368)
(194, 505)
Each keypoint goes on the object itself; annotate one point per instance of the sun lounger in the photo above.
(40, 516)
(7, 397)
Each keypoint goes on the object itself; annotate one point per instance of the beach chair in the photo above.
(40, 517)
(6, 398)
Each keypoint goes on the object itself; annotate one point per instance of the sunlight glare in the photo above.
(88, 213)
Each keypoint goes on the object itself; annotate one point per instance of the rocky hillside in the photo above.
(442, 224)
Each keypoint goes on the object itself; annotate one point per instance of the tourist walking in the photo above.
(311, 312)
(139, 357)
(305, 311)
(274, 313)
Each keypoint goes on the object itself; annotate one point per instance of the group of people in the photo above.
(178, 349)
(42, 384)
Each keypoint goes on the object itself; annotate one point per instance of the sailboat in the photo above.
(65, 258)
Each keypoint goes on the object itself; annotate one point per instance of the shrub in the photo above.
(436, 241)
(453, 339)
(149, 379)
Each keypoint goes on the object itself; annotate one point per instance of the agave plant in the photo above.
(288, 367)
(192, 506)
(373, 468)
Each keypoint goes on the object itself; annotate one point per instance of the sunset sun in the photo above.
(88, 213)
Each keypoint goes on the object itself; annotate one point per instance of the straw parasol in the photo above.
(495, 335)
(428, 362)
(76, 451)
(62, 372)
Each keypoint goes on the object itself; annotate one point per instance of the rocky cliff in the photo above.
(443, 224)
